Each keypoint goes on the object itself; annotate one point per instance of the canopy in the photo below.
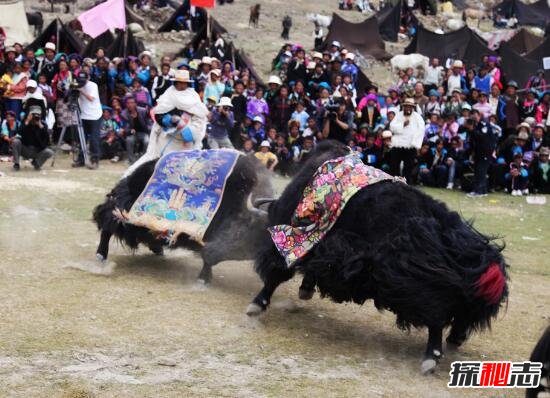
(362, 37)
(537, 14)
(104, 40)
(13, 20)
(462, 44)
(125, 44)
(67, 41)
(524, 41)
(182, 10)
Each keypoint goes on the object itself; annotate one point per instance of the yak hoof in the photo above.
(253, 309)
(305, 294)
(428, 366)
(100, 257)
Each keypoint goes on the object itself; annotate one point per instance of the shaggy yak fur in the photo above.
(233, 234)
(399, 247)
(541, 353)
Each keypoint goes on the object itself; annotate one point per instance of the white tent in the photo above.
(13, 20)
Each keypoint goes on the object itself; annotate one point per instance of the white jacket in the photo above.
(410, 136)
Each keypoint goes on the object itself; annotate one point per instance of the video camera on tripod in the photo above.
(72, 95)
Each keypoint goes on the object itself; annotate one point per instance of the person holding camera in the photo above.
(337, 122)
(32, 141)
(90, 114)
(221, 124)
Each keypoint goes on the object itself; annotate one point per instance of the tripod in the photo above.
(75, 116)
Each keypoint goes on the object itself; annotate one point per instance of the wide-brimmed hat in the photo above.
(386, 134)
(145, 53)
(523, 135)
(10, 49)
(310, 65)
(409, 102)
(274, 80)
(206, 60)
(350, 56)
(317, 54)
(49, 46)
(336, 43)
(265, 143)
(512, 83)
(458, 64)
(544, 151)
(216, 72)
(258, 119)
(32, 84)
(225, 101)
(523, 125)
(181, 76)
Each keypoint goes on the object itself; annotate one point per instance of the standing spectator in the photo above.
(456, 81)
(287, 24)
(257, 106)
(407, 134)
(483, 143)
(161, 82)
(508, 108)
(47, 65)
(540, 171)
(434, 75)
(214, 87)
(221, 124)
(300, 115)
(90, 113)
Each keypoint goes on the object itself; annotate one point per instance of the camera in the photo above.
(331, 110)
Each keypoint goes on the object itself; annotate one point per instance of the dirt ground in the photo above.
(145, 328)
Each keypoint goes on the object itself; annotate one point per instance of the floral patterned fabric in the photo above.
(332, 186)
(184, 193)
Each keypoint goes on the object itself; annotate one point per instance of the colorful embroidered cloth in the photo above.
(184, 193)
(332, 186)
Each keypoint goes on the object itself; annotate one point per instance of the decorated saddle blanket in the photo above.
(325, 197)
(184, 193)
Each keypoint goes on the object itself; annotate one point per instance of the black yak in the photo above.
(541, 353)
(233, 233)
(398, 246)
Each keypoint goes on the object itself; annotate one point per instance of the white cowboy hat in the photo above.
(49, 46)
(336, 43)
(265, 143)
(274, 80)
(317, 54)
(206, 60)
(225, 101)
(350, 56)
(386, 134)
(216, 72)
(31, 84)
(182, 76)
(409, 102)
(458, 64)
(145, 53)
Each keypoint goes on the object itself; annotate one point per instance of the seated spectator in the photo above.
(517, 177)
(436, 169)
(214, 87)
(136, 129)
(33, 141)
(256, 131)
(111, 146)
(248, 147)
(141, 94)
(284, 156)
(540, 172)
(257, 106)
(266, 157)
(300, 115)
(10, 130)
(220, 125)
(372, 155)
(384, 163)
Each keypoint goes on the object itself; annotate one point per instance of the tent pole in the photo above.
(208, 27)
(124, 47)
(57, 35)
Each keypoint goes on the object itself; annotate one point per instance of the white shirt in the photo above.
(433, 75)
(90, 110)
(410, 136)
(454, 82)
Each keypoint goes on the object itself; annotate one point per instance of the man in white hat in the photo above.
(221, 124)
(407, 135)
(47, 64)
(34, 97)
(180, 121)
(350, 67)
(456, 79)
(273, 83)
(335, 47)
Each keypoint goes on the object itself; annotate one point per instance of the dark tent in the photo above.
(61, 35)
(183, 10)
(389, 21)
(537, 14)
(363, 37)
(517, 67)
(524, 42)
(104, 40)
(541, 51)
(125, 44)
(462, 44)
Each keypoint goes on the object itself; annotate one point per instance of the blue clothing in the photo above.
(220, 126)
(302, 117)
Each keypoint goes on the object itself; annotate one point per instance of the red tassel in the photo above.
(490, 285)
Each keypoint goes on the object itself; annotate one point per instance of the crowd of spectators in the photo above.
(450, 128)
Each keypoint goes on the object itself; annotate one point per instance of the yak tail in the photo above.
(491, 284)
